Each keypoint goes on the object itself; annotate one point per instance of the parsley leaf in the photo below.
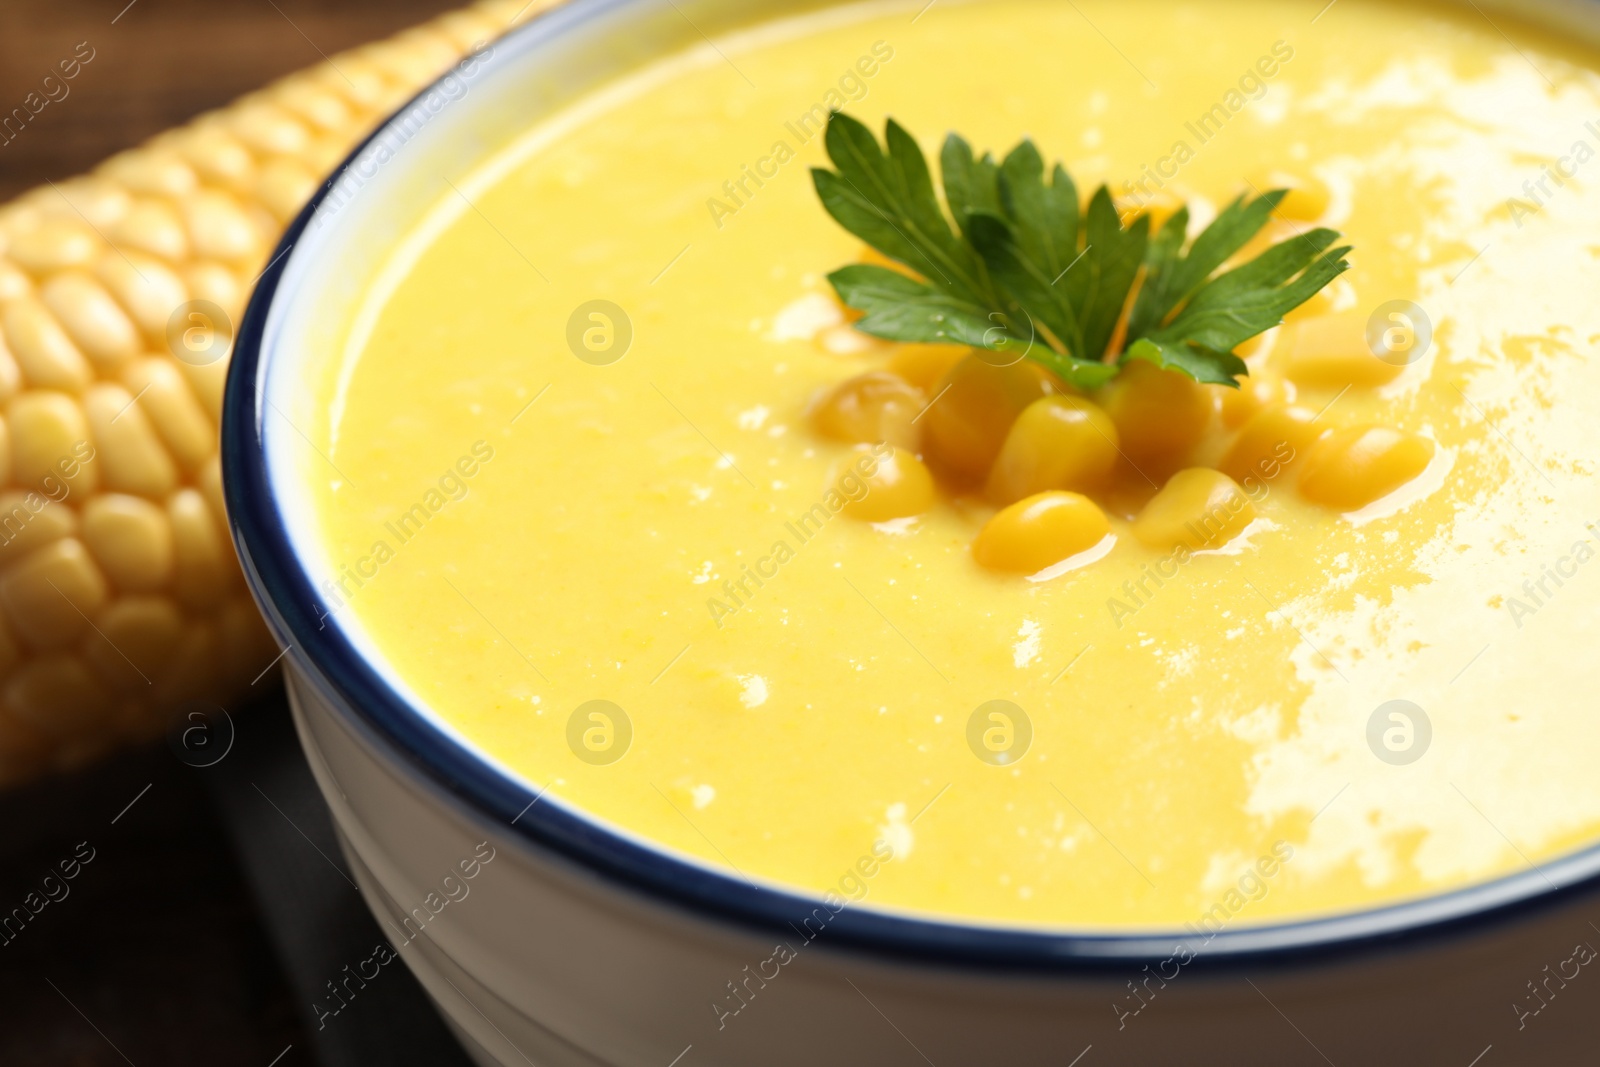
(904, 309)
(1011, 262)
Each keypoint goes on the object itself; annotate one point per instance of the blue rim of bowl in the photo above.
(284, 588)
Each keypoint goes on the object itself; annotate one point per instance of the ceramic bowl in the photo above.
(547, 938)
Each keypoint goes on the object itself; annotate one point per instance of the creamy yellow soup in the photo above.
(523, 532)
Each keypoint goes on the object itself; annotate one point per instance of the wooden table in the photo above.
(159, 62)
(158, 955)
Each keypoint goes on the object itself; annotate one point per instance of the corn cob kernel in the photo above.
(120, 596)
(91, 318)
(26, 529)
(54, 244)
(130, 538)
(217, 158)
(43, 350)
(152, 226)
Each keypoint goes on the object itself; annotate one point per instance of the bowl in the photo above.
(546, 937)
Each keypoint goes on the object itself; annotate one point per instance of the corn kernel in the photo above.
(14, 282)
(1330, 351)
(48, 594)
(44, 352)
(173, 410)
(267, 230)
(1353, 467)
(354, 79)
(413, 57)
(1258, 391)
(130, 539)
(10, 376)
(55, 245)
(879, 487)
(467, 29)
(216, 283)
(194, 666)
(93, 319)
(219, 229)
(218, 157)
(268, 129)
(153, 172)
(1040, 532)
(30, 520)
(1308, 197)
(50, 443)
(10, 373)
(146, 288)
(94, 200)
(1272, 440)
(129, 454)
(973, 408)
(153, 226)
(141, 634)
(1160, 415)
(41, 203)
(57, 695)
(326, 153)
(1058, 442)
(503, 12)
(870, 408)
(205, 565)
(20, 214)
(322, 109)
(207, 381)
(924, 365)
(1198, 508)
(284, 187)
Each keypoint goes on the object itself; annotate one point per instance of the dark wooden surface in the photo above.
(158, 954)
(154, 955)
(161, 62)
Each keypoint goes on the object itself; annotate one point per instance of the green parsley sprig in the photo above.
(1023, 268)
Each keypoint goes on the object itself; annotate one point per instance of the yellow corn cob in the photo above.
(120, 596)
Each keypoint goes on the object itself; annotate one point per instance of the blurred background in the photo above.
(170, 947)
(160, 62)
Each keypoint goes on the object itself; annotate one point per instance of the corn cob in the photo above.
(120, 597)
